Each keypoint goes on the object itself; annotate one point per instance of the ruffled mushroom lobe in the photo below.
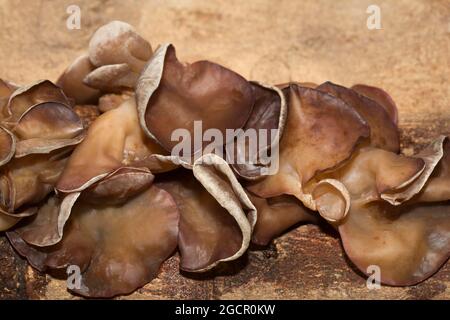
(383, 130)
(71, 81)
(321, 133)
(171, 95)
(119, 54)
(25, 182)
(380, 96)
(257, 144)
(46, 228)
(216, 215)
(25, 97)
(112, 78)
(276, 215)
(117, 42)
(118, 248)
(114, 140)
(47, 126)
(409, 242)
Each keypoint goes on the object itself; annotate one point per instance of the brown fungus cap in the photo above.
(46, 228)
(26, 181)
(71, 81)
(118, 55)
(211, 220)
(171, 95)
(383, 130)
(112, 78)
(208, 233)
(408, 241)
(114, 140)
(27, 96)
(118, 248)
(37, 134)
(269, 114)
(117, 42)
(276, 215)
(380, 96)
(47, 126)
(321, 133)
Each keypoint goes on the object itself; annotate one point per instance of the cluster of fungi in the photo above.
(87, 176)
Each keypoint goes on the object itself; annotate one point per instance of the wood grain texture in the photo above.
(270, 41)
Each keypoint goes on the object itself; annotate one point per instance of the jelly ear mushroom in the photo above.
(96, 156)
(171, 95)
(276, 215)
(46, 127)
(409, 243)
(47, 227)
(269, 114)
(116, 43)
(118, 248)
(433, 182)
(410, 240)
(383, 130)
(216, 215)
(380, 96)
(25, 182)
(71, 81)
(321, 133)
(112, 78)
(27, 96)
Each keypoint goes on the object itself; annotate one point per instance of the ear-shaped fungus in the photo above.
(321, 133)
(408, 242)
(41, 130)
(71, 81)
(111, 78)
(276, 215)
(380, 96)
(118, 42)
(121, 227)
(268, 117)
(46, 127)
(27, 181)
(126, 145)
(118, 54)
(41, 119)
(118, 248)
(183, 93)
(216, 215)
(27, 96)
(383, 130)
(108, 194)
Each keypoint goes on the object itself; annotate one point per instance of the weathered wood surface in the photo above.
(272, 41)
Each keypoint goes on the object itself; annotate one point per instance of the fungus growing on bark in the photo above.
(103, 140)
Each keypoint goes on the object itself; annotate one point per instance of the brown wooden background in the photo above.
(270, 41)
